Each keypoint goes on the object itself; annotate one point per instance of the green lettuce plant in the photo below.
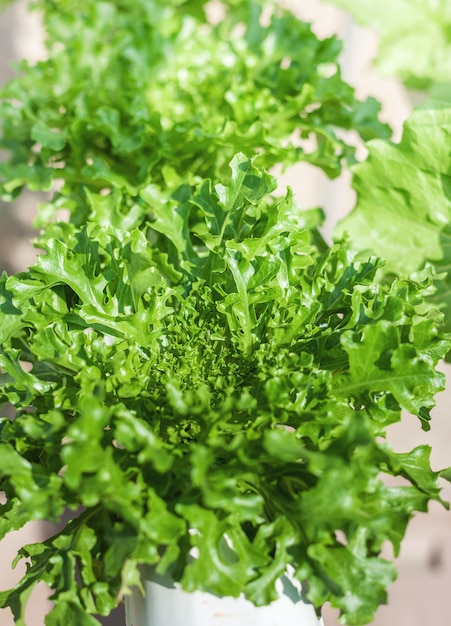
(171, 98)
(187, 358)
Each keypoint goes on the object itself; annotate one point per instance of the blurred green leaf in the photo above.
(414, 38)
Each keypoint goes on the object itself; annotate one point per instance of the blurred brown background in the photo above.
(420, 595)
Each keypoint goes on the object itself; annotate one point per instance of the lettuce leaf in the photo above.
(403, 208)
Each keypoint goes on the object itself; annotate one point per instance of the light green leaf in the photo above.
(402, 189)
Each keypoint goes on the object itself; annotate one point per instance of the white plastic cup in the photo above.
(166, 604)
